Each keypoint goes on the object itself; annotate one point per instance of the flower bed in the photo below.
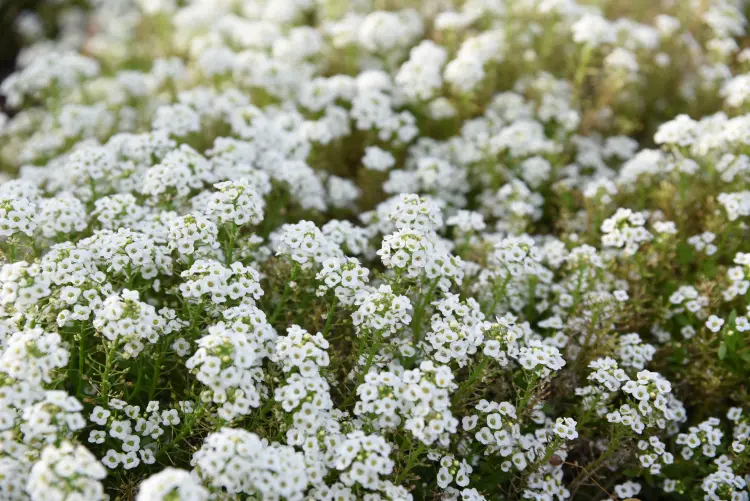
(375, 250)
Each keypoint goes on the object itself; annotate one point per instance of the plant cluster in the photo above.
(328, 250)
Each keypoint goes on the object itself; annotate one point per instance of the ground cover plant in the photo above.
(331, 250)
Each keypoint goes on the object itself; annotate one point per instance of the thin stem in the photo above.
(583, 63)
(532, 297)
(138, 381)
(497, 296)
(594, 466)
(410, 463)
(156, 373)
(329, 320)
(186, 428)
(466, 385)
(232, 233)
(528, 392)
(605, 491)
(368, 363)
(81, 359)
(107, 368)
(419, 312)
(371, 356)
(284, 295)
(552, 447)
(585, 348)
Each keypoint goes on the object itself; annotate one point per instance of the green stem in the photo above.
(580, 74)
(92, 185)
(419, 312)
(232, 233)
(528, 392)
(81, 359)
(138, 381)
(466, 385)
(550, 450)
(186, 428)
(368, 363)
(577, 292)
(498, 295)
(284, 296)
(594, 466)
(107, 368)
(329, 320)
(36, 249)
(156, 374)
(411, 462)
(532, 298)
(584, 349)
(370, 356)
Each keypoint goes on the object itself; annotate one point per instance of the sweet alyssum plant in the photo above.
(372, 250)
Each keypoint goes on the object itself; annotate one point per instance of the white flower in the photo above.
(566, 428)
(378, 159)
(241, 463)
(17, 215)
(171, 484)
(52, 475)
(239, 202)
(714, 323)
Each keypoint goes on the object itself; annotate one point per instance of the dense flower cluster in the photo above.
(383, 251)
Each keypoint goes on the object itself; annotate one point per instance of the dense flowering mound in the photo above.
(329, 250)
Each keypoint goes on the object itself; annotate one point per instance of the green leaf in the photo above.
(682, 320)
(732, 318)
(684, 253)
(722, 351)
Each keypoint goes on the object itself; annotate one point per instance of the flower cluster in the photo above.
(418, 256)
(345, 277)
(33, 355)
(382, 312)
(652, 405)
(66, 472)
(426, 392)
(625, 229)
(192, 234)
(17, 216)
(124, 319)
(212, 278)
(227, 361)
(499, 430)
(138, 435)
(237, 202)
(456, 331)
(305, 244)
(239, 462)
(171, 483)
